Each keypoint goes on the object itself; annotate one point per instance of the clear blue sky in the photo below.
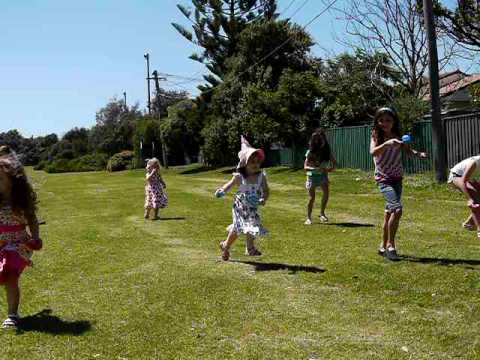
(61, 60)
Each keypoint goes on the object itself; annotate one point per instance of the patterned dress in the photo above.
(14, 254)
(155, 197)
(245, 208)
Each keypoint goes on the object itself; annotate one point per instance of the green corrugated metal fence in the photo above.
(351, 145)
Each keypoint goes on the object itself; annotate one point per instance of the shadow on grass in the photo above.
(180, 218)
(439, 261)
(197, 170)
(348, 224)
(286, 169)
(260, 266)
(45, 322)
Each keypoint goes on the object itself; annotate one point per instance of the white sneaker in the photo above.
(323, 218)
(11, 322)
(308, 222)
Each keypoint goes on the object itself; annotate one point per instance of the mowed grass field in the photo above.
(109, 285)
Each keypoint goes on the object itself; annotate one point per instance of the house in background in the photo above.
(459, 92)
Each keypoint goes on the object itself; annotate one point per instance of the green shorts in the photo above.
(316, 180)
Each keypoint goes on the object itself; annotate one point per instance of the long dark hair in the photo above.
(377, 131)
(23, 197)
(319, 146)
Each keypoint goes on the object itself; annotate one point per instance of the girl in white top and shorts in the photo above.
(465, 177)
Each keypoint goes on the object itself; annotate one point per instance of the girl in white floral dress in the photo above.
(17, 214)
(252, 191)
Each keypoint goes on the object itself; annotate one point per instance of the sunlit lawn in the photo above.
(109, 285)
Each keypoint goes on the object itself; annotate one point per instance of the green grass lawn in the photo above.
(109, 285)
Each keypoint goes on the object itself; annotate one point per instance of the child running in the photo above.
(319, 161)
(464, 176)
(155, 197)
(19, 233)
(252, 191)
(386, 149)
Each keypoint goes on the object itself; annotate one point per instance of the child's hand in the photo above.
(35, 244)
(219, 193)
(262, 201)
(393, 142)
(422, 155)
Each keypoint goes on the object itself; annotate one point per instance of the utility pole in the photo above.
(438, 130)
(147, 58)
(125, 98)
(157, 89)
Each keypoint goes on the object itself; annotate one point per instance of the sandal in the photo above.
(468, 226)
(323, 218)
(253, 252)
(225, 252)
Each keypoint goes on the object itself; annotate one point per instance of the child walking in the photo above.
(464, 176)
(155, 197)
(386, 149)
(19, 233)
(252, 191)
(319, 161)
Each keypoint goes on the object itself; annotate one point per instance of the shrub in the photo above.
(91, 162)
(121, 161)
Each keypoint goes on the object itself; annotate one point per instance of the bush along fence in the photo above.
(351, 145)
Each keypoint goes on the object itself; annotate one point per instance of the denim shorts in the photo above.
(316, 180)
(392, 193)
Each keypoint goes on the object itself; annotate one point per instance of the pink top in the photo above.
(13, 235)
(388, 165)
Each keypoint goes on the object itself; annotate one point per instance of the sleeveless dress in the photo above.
(246, 219)
(155, 197)
(14, 254)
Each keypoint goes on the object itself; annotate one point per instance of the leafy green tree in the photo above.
(181, 132)
(461, 23)
(269, 93)
(217, 25)
(354, 86)
(166, 98)
(115, 127)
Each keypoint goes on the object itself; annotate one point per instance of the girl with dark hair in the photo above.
(386, 149)
(19, 233)
(319, 161)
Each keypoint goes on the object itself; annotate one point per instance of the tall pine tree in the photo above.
(216, 28)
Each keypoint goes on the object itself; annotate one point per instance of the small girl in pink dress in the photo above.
(155, 197)
(19, 234)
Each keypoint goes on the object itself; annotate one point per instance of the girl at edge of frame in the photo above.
(19, 231)
(386, 149)
(464, 177)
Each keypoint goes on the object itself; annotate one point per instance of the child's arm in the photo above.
(412, 152)
(228, 186)
(307, 165)
(466, 177)
(161, 181)
(35, 243)
(334, 163)
(266, 191)
(151, 173)
(378, 150)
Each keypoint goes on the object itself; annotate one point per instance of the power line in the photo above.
(192, 79)
(288, 7)
(282, 44)
(299, 8)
